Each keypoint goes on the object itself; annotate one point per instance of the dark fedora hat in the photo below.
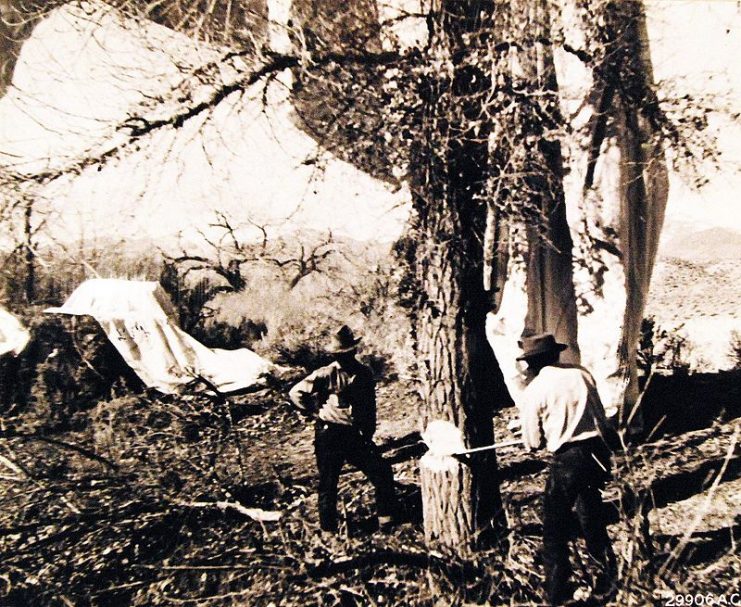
(533, 345)
(343, 341)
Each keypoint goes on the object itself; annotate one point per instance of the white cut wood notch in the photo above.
(444, 439)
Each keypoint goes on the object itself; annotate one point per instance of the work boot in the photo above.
(605, 585)
(386, 524)
(604, 593)
(330, 541)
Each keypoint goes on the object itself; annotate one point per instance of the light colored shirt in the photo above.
(561, 405)
(339, 396)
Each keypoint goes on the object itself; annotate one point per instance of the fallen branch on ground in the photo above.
(257, 514)
(58, 443)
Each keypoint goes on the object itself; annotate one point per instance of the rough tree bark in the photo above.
(459, 374)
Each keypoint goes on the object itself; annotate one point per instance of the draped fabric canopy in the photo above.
(139, 319)
(590, 292)
(588, 279)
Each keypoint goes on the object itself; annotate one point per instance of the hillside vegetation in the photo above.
(695, 294)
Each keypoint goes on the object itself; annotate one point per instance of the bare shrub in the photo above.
(299, 321)
(735, 349)
(68, 366)
(139, 492)
(663, 349)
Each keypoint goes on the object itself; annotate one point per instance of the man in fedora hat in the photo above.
(561, 411)
(342, 398)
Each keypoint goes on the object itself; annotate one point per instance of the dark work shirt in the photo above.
(340, 396)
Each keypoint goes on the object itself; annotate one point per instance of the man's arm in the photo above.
(532, 429)
(597, 409)
(305, 394)
(364, 408)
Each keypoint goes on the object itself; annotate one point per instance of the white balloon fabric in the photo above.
(140, 321)
(443, 439)
(615, 190)
(14, 337)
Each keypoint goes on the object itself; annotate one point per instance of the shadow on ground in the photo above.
(703, 547)
(675, 404)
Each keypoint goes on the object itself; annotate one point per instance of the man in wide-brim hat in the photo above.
(561, 411)
(342, 398)
(537, 345)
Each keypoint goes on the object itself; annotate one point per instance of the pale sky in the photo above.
(77, 76)
(698, 44)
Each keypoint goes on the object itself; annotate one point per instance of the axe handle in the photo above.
(508, 443)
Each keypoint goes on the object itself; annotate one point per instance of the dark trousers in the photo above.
(334, 445)
(576, 476)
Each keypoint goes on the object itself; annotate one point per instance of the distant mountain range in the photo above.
(707, 245)
(697, 275)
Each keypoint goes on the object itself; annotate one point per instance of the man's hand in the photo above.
(306, 400)
(331, 411)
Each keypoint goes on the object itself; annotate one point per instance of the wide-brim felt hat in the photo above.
(343, 341)
(533, 345)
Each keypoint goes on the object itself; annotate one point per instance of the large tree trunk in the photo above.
(460, 380)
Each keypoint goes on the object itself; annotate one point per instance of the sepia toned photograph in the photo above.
(370, 303)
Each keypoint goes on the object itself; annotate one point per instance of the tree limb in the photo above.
(65, 445)
(137, 127)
